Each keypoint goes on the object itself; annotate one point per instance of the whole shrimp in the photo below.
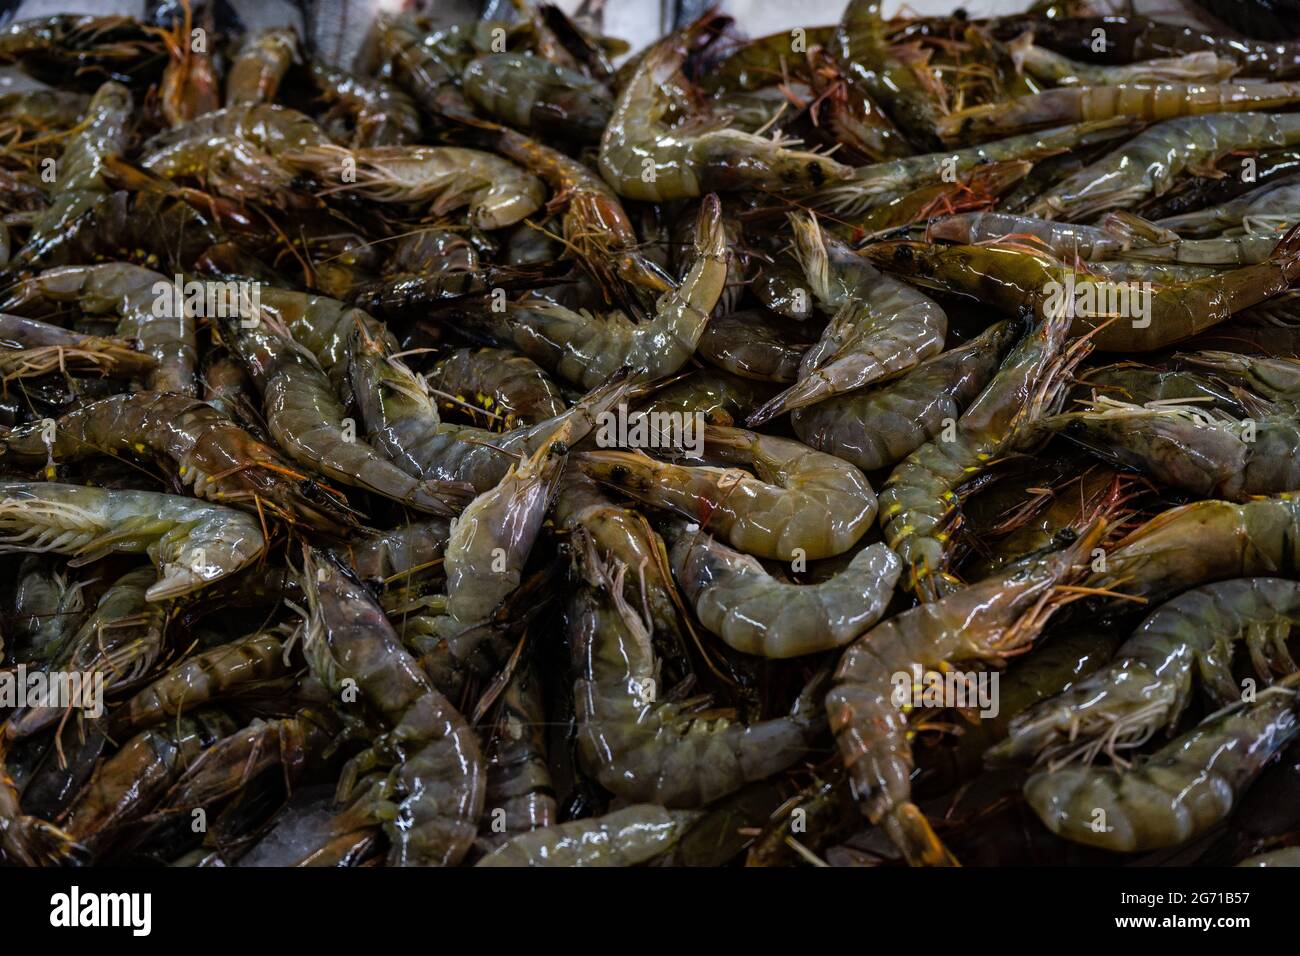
(1011, 279)
(1067, 241)
(204, 677)
(643, 158)
(431, 800)
(520, 793)
(1148, 685)
(637, 745)
(260, 65)
(80, 181)
(802, 504)
(882, 327)
(221, 461)
(752, 344)
(737, 599)
(44, 611)
(145, 304)
(497, 192)
(1179, 792)
(878, 427)
(1183, 446)
(1203, 65)
(596, 228)
(920, 505)
(307, 421)
(532, 94)
(1151, 102)
(625, 837)
(30, 349)
(191, 543)
(404, 426)
(364, 110)
(1146, 165)
(586, 349)
(982, 623)
(510, 386)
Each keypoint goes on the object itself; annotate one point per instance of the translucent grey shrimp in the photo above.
(79, 173)
(308, 422)
(192, 543)
(919, 503)
(510, 386)
(587, 349)
(802, 504)
(210, 453)
(1219, 251)
(1176, 794)
(1210, 454)
(30, 348)
(626, 837)
(722, 398)
(878, 427)
(982, 623)
(881, 327)
(431, 799)
(204, 677)
(1148, 164)
(643, 158)
(497, 192)
(260, 65)
(364, 110)
(404, 426)
(878, 183)
(520, 794)
(753, 612)
(1067, 240)
(532, 94)
(639, 745)
(1275, 204)
(1149, 683)
(1061, 71)
(410, 552)
(753, 345)
(1276, 378)
(144, 302)
(46, 610)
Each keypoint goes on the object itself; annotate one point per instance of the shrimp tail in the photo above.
(36, 842)
(912, 833)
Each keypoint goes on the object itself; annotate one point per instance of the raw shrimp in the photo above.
(1146, 165)
(625, 837)
(221, 461)
(1067, 241)
(1151, 102)
(28, 840)
(981, 623)
(1149, 683)
(432, 798)
(753, 612)
(133, 780)
(191, 543)
(520, 794)
(144, 302)
(29, 349)
(882, 327)
(722, 398)
(511, 387)
(754, 345)
(1274, 204)
(204, 677)
(260, 65)
(920, 505)
(1125, 315)
(643, 158)
(1186, 447)
(497, 192)
(1278, 379)
(879, 427)
(1179, 792)
(880, 182)
(308, 423)
(596, 227)
(365, 110)
(1203, 65)
(403, 424)
(586, 349)
(804, 504)
(414, 549)
(639, 745)
(532, 94)
(45, 610)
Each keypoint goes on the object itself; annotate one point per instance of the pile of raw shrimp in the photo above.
(871, 444)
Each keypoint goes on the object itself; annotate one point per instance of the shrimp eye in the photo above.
(619, 473)
(1065, 537)
(903, 253)
(559, 448)
(815, 174)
